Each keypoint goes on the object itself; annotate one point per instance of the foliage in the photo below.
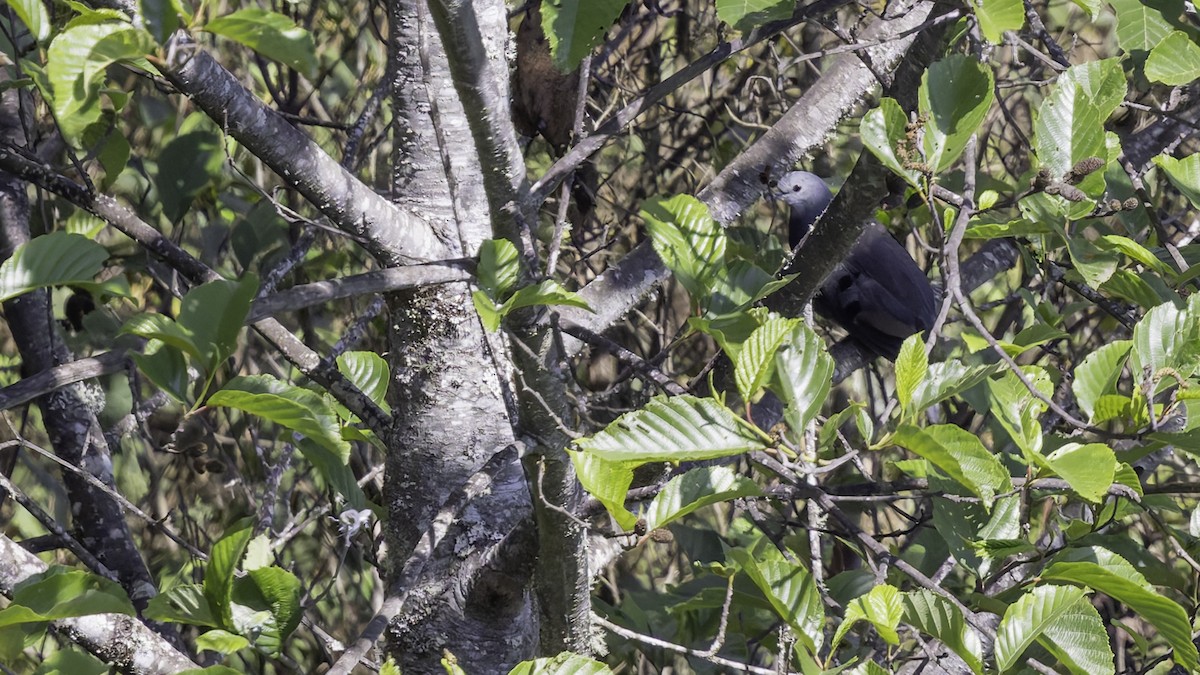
(1015, 492)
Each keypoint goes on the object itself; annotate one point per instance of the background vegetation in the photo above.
(440, 335)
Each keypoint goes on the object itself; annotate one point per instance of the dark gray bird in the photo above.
(878, 294)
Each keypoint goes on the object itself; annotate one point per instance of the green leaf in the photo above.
(912, 365)
(883, 131)
(1166, 337)
(1167, 617)
(221, 641)
(608, 482)
(281, 590)
(1070, 122)
(162, 17)
(696, 489)
(1017, 411)
(1098, 374)
(934, 615)
(1142, 24)
(755, 361)
(881, 606)
(676, 429)
(61, 593)
(166, 368)
(213, 314)
(575, 27)
(788, 587)
(961, 455)
(731, 330)
(287, 405)
(565, 663)
(746, 15)
(1078, 640)
(489, 312)
(955, 95)
(162, 328)
(738, 285)
(338, 476)
(997, 16)
(1029, 617)
(55, 259)
(805, 372)
(982, 228)
(691, 244)
(1184, 174)
(548, 292)
(271, 34)
(183, 604)
(370, 373)
(187, 166)
(1088, 468)
(499, 268)
(76, 67)
(948, 379)
(33, 14)
(1136, 251)
(218, 576)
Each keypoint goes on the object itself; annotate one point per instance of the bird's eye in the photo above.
(772, 184)
(795, 188)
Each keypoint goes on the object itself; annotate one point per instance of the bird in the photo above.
(877, 293)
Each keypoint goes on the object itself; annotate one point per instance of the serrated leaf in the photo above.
(289, 406)
(1184, 174)
(883, 130)
(696, 489)
(1136, 251)
(960, 455)
(489, 312)
(271, 34)
(998, 16)
(61, 593)
(55, 259)
(676, 429)
(214, 314)
(33, 14)
(805, 373)
(76, 64)
(947, 379)
(547, 292)
(188, 165)
(1142, 24)
(755, 361)
(1017, 411)
(281, 590)
(575, 27)
(1070, 122)
(912, 365)
(955, 95)
(745, 15)
(788, 587)
(1088, 468)
(1166, 337)
(370, 373)
(881, 606)
(1098, 374)
(221, 641)
(691, 244)
(565, 663)
(499, 268)
(934, 615)
(183, 604)
(738, 285)
(1027, 619)
(608, 482)
(1167, 617)
(218, 575)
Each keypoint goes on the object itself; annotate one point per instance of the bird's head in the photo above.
(808, 196)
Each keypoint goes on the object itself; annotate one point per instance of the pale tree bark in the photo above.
(452, 397)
